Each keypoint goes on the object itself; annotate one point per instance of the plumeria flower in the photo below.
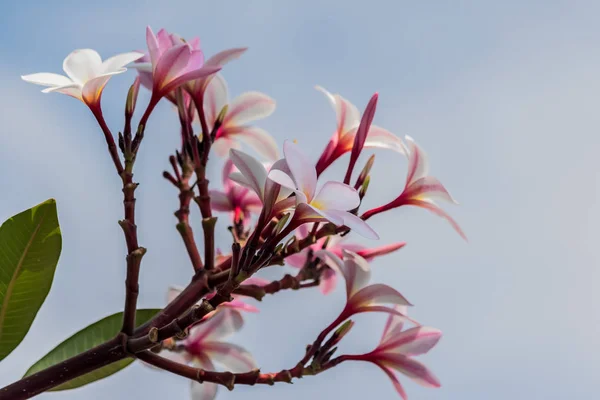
(86, 76)
(331, 203)
(336, 245)
(254, 175)
(245, 108)
(204, 347)
(348, 121)
(171, 63)
(421, 190)
(240, 201)
(397, 348)
(361, 297)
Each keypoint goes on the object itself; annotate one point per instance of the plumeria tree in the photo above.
(279, 213)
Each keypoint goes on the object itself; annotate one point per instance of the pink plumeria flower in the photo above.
(397, 348)
(204, 347)
(348, 121)
(172, 62)
(336, 245)
(240, 201)
(421, 190)
(234, 129)
(361, 297)
(86, 76)
(254, 175)
(331, 203)
(236, 304)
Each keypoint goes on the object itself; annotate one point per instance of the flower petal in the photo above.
(394, 324)
(303, 171)
(371, 253)
(384, 139)
(257, 138)
(221, 146)
(328, 281)
(412, 342)
(249, 106)
(233, 357)
(361, 133)
(418, 166)
(222, 323)
(73, 90)
(394, 380)
(282, 179)
(215, 98)
(353, 222)
(377, 293)
(153, 47)
(170, 65)
(219, 201)
(254, 172)
(411, 368)
(119, 61)
(92, 89)
(336, 196)
(434, 208)
(428, 187)
(82, 65)
(47, 79)
(204, 391)
(190, 76)
(347, 114)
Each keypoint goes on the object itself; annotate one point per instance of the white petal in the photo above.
(222, 145)
(247, 107)
(303, 171)
(73, 90)
(47, 79)
(83, 65)
(224, 322)
(254, 172)
(215, 98)
(257, 138)
(356, 272)
(418, 166)
(356, 224)
(204, 391)
(384, 139)
(413, 342)
(336, 196)
(233, 357)
(347, 114)
(282, 178)
(119, 61)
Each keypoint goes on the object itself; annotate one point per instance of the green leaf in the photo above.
(92, 336)
(30, 244)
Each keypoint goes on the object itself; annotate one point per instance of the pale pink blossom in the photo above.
(239, 201)
(397, 348)
(336, 245)
(348, 121)
(234, 129)
(360, 296)
(171, 63)
(331, 203)
(86, 76)
(204, 347)
(420, 190)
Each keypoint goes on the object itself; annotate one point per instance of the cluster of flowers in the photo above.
(277, 199)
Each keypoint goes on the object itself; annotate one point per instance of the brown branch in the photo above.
(110, 141)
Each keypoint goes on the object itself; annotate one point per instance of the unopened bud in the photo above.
(132, 96)
(281, 223)
(364, 187)
(365, 171)
(219, 121)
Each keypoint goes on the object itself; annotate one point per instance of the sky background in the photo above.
(502, 95)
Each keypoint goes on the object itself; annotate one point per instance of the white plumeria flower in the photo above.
(86, 76)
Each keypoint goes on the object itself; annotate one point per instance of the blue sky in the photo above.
(502, 95)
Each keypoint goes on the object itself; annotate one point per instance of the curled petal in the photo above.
(371, 253)
(353, 222)
(434, 208)
(394, 324)
(430, 188)
(411, 342)
(418, 166)
(411, 368)
(82, 65)
(218, 60)
(302, 169)
(257, 138)
(47, 79)
(253, 171)
(383, 139)
(282, 179)
(92, 90)
(120, 61)
(231, 356)
(377, 293)
(248, 107)
(347, 114)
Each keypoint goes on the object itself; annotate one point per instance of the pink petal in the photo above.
(153, 47)
(189, 76)
(428, 187)
(170, 65)
(222, 323)
(233, 357)
(228, 168)
(412, 342)
(164, 41)
(347, 114)
(383, 139)
(302, 169)
(257, 138)
(225, 56)
(361, 133)
(328, 281)
(371, 253)
(411, 368)
(255, 280)
(377, 293)
(92, 90)
(439, 212)
(215, 98)
(219, 201)
(296, 260)
(394, 324)
(248, 107)
(252, 169)
(394, 380)
(336, 196)
(418, 166)
(356, 272)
